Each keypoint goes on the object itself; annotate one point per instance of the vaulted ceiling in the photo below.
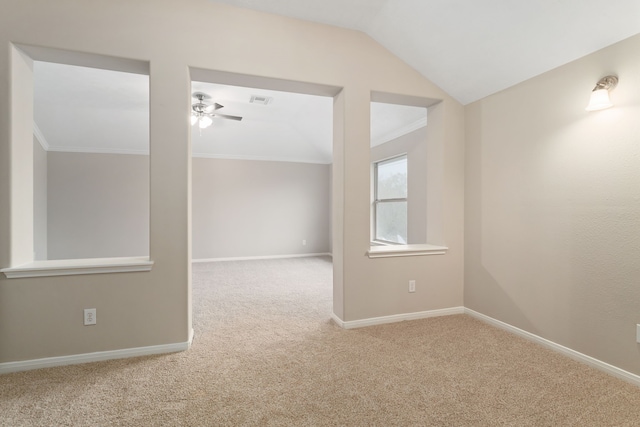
(469, 48)
(473, 48)
(80, 109)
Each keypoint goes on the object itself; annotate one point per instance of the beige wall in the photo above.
(39, 201)
(414, 144)
(244, 208)
(98, 205)
(42, 317)
(553, 207)
(20, 198)
(551, 191)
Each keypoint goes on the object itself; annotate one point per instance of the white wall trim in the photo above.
(573, 354)
(381, 250)
(98, 150)
(191, 335)
(397, 133)
(49, 362)
(251, 258)
(70, 267)
(40, 137)
(258, 158)
(361, 323)
(103, 150)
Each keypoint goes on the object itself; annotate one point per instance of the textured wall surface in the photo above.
(41, 317)
(553, 207)
(244, 208)
(98, 205)
(39, 201)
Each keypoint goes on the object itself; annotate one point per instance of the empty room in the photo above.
(392, 213)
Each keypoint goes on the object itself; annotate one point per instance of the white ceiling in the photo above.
(80, 109)
(390, 121)
(472, 48)
(292, 127)
(90, 110)
(469, 48)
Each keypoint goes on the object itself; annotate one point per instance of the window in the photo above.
(390, 200)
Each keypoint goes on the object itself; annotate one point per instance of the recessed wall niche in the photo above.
(89, 154)
(93, 124)
(405, 171)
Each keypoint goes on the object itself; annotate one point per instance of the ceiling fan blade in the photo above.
(224, 116)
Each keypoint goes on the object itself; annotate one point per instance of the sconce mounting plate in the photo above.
(608, 83)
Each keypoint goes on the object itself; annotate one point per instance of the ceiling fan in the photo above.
(202, 113)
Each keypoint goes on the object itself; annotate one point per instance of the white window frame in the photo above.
(377, 201)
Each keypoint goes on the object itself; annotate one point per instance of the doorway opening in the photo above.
(262, 154)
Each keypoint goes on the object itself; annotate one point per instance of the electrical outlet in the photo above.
(412, 285)
(638, 333)
(89, 316)
(304, 243)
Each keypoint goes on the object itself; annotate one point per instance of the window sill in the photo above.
(388, 251)
(69, 267)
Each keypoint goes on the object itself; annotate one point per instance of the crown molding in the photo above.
(258, 158)
(90, 150)
(40, 137)
(397, 133)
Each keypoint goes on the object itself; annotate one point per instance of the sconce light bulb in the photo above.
(599, 100)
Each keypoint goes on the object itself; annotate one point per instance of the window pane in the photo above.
(391, 222)
(392, 179)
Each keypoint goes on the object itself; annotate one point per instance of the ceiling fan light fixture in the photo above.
(204, 122)
(202, 113)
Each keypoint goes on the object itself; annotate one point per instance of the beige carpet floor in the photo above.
(266, 354)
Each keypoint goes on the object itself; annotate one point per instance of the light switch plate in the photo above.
(638, 333)
(412, 285)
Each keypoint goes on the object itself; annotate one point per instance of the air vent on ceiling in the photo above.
(262, 100)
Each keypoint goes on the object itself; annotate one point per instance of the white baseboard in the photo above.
(49, 362)
(573, 354)
(352, 324)
(251, 258)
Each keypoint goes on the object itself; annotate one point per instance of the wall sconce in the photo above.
(600, 94)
